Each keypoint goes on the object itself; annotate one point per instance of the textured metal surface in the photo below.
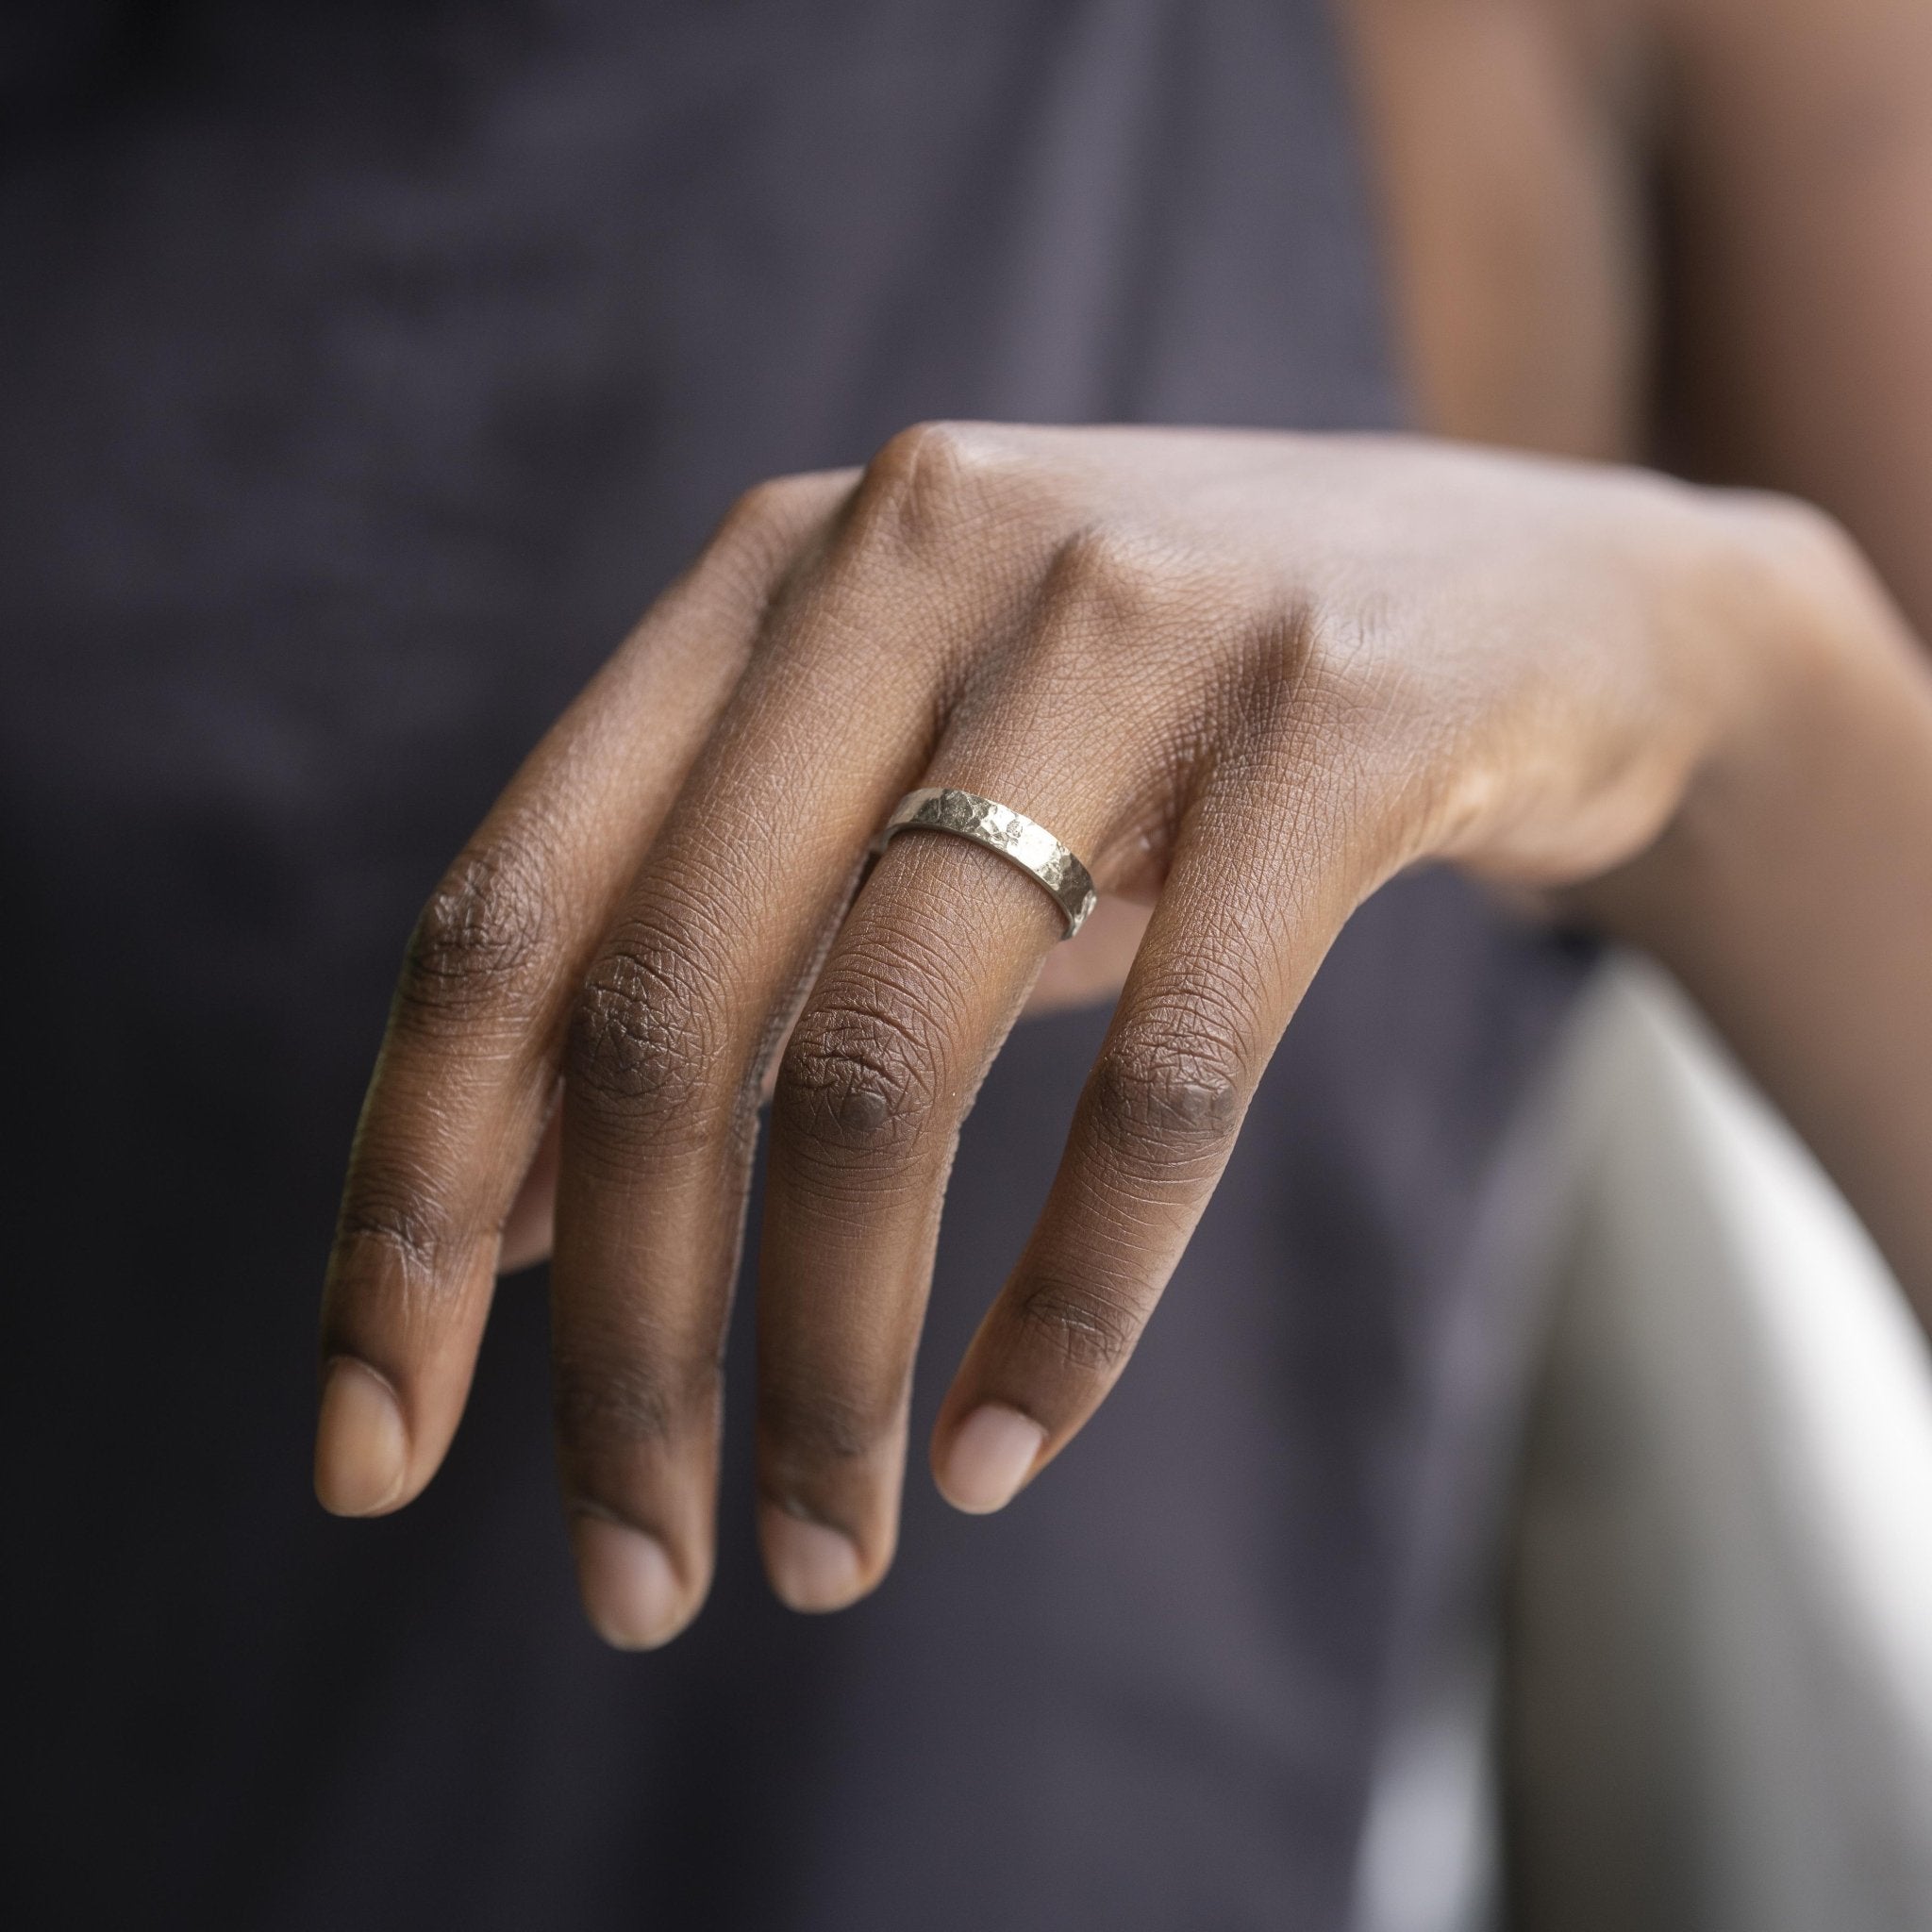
(1011, 834)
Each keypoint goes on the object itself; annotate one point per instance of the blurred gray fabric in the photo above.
(1717, 1712)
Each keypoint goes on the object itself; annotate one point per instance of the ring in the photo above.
(1001, 829)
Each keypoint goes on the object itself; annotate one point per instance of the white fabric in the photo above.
(1718, 1712)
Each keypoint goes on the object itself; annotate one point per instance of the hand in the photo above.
(1246, 677)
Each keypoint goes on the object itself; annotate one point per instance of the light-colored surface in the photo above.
(1431, 1847)
(1718, 1711)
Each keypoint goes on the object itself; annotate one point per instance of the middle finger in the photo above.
(686, 1001)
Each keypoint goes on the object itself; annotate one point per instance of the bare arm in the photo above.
(1800, 284)
(1796, 902)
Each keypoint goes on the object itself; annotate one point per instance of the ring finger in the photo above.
(914, 999)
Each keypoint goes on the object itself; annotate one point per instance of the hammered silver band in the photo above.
(999, 828)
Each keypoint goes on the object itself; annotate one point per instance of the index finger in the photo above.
(469, 1061)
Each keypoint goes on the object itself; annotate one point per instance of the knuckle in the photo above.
(761, 507)
(614, 1396)
(1120, 579)
(485, 941)
(764, 519)
(806, 1426)
(401, 1228)
(1110, 577)
(1167, 1088)
(395, 1226)
(926, 482)
(1085, 1325)
(861, 1076)
(642, 1038)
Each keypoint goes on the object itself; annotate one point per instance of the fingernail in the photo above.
(991, 1455)
(811, 1567)
(361, 1453)
(629, 1589)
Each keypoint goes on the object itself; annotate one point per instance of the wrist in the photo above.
(1791, 894)
(1819, 708)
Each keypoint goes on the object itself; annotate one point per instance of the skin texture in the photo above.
(1247, 677)
(1695, 230)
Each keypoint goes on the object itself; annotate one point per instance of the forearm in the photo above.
(1792, 896)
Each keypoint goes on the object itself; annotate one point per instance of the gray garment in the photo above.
(364, 370)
